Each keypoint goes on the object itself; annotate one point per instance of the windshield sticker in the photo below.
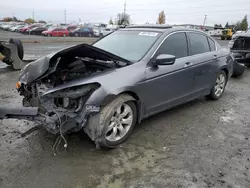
(150, 34)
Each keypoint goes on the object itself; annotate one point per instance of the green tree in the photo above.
(226, 26)
(237, 26)
(15, 19)
(111, 21)
(123, 19)
(161, 18)
(244, 24)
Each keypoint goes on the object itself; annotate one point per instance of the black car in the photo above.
(123, 78)
(82, 32)
(37, 30)
(240, 48)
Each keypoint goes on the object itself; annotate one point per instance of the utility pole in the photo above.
(205, 20)
(125, 6)
(33, 15)
(124, 12)
(65, 16)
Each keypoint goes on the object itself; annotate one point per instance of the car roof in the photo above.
(160, 28)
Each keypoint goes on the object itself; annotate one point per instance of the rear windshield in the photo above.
(130, 45)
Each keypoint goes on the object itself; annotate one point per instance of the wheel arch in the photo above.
(135, 98)
(225, 69)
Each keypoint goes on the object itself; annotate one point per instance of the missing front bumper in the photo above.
(18, 113)
(58, 122)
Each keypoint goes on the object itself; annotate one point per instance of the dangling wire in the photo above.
(60, 137)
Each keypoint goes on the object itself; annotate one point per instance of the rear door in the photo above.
(61, 32)
(203, 56)
(169, 85)
(55, 32)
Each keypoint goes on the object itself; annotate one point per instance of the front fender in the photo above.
(102, 96)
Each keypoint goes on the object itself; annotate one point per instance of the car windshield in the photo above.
(51, 29)
(130, 45)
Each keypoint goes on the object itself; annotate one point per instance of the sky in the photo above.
(140, 11)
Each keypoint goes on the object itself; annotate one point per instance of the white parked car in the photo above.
(97, 32)
(106, 31)
(15, 28)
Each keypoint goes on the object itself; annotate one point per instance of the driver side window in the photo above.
(175, 44)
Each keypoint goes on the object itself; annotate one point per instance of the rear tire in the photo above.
(19, 46)
(218, 87)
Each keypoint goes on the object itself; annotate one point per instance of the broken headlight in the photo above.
(73, 97)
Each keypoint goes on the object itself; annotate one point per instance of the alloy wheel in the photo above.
(220, 85)
(120, 123)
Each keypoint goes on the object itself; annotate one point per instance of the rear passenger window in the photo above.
(175, 44)
(211, 44)
(198, 43)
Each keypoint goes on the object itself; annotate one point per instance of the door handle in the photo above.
(187, 64)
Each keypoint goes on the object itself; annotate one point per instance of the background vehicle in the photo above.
(240, 47)
(82, 32)
(71, 28)
(227, 34)
(97, 31)
(37, 30)
(7, 26)
(106, 31)
(56, 32)
(91, 87)
(24, 29)
(15, 28)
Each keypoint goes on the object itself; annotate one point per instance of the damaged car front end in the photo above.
(240, 48)
(56, 89)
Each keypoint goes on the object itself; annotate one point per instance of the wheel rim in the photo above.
(220, 85)
(120, 123)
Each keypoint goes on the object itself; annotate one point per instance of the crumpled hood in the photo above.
(34, 70)
(38, 68)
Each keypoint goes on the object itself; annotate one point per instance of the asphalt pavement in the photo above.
(200, 144)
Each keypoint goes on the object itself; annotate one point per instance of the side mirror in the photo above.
(164, 59)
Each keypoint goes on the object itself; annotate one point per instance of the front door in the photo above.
(170, 85)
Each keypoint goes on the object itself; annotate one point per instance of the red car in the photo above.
(24, 29)
(56, 32)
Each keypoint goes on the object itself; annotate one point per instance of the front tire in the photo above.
(117, 120)
(219, 86)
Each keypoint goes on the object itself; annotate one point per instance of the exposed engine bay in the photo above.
(241, 49)
(68, 104)
(56, 88)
